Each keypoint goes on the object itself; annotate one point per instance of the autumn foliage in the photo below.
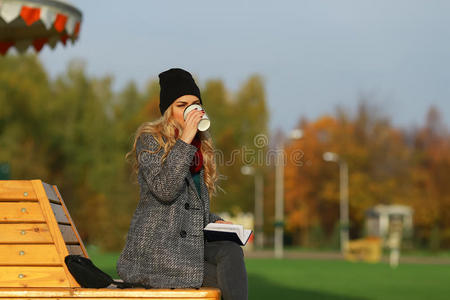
(387, 165)
(74, 130)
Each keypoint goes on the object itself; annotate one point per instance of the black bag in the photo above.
(88, 275)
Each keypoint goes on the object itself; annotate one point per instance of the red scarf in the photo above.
(197, 161)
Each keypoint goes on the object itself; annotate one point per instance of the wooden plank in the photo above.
(59, 213)
(75, 250)
(25, 233)
(54, 228)
(21, 212)
(80, 241)
(51, 195)
(24, 254)
(25, 276)
(121, 298)
(16, 190)
(108, 293)
(68, 234)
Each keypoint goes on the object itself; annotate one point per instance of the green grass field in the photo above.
(331, 279)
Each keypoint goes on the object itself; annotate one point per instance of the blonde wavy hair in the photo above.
(165, 126)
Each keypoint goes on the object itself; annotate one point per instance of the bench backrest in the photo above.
(36, 234)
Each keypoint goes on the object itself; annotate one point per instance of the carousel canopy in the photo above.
(25, 23)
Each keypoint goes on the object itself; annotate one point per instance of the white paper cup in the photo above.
(204, 122)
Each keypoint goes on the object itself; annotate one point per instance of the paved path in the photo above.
(338, 256)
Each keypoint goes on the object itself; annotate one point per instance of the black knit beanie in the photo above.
(175, 83)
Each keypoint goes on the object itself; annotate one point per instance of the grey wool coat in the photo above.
(164, 246)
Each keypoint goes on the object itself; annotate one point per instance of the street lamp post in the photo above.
(343, 203)
(259, 210)
(259, 204)
(279, 194)
(279, 203)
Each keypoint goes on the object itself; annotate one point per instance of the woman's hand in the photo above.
(225, 222)
(191, 124)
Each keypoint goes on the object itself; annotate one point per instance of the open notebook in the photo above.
(227, 232)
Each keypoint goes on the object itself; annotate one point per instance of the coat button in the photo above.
(186, 205)
(183, 233)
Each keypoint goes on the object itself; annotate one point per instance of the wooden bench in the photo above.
(37, 233)
(367, 249)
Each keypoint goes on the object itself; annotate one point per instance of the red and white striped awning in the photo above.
(37, 22)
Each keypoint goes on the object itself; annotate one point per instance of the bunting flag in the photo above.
(35, 23)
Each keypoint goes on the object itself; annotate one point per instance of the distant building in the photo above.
(380, 218)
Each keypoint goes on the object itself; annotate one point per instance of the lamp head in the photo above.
(330, 156)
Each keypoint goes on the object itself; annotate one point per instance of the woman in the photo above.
(174, 162)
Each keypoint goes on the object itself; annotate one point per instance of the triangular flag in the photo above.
(52, 41)
(39, 43)
(70, 25)
(30, 14)
(64, 38)
(60, 22)
(4, 46)
(47, 17)
(77, 28)
(9, 11)
(22, 45)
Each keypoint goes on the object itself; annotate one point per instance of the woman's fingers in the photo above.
(191, 124)
(194, 117)
(225, 222)
(191, 115)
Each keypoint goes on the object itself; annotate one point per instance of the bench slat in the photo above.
(29, 255)
(24, 276)
(25, 233)
(201, 293)
(17, 190)
(21, 212)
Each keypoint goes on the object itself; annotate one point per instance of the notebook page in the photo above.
(239, 229)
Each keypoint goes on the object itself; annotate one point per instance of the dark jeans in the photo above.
(225, 269)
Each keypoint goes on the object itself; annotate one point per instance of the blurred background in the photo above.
(351, 95)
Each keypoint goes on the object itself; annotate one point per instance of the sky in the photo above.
(312, 55)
